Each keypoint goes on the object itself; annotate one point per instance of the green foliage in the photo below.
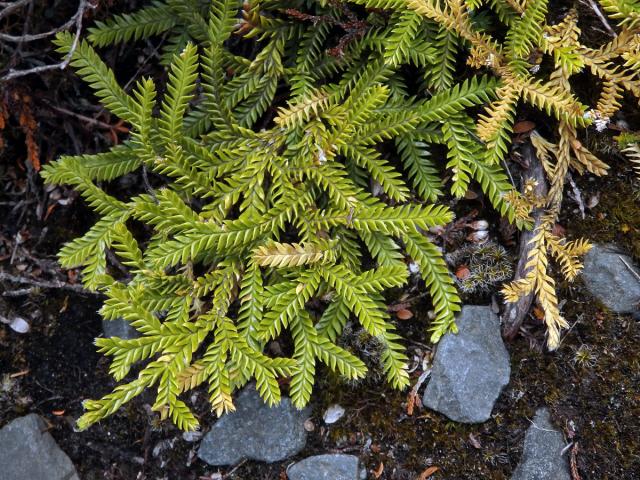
(148, 21)
(183, 20)
(298, 181)
(215, 235)
(525, 32)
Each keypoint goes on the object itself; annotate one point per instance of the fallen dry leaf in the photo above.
(50, 210)
(377, 473)
(29, 126)
(523, 127)
(475, 443)
(427, 473)
(470, 195)
(72, 276)
(462, 272)
(558, 230)
(412, 401)
(65, 305)
(538, 313)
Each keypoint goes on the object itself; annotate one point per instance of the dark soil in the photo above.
(591, 384)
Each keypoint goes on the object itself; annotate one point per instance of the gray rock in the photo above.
(29, 452)
(470, 368)
(255, 431)
(119, 328)
(609, 279)
(541, 459)
(326, 467)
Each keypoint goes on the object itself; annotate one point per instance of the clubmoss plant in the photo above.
(293, 144)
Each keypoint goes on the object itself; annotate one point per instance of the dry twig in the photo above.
(89, 121)
(515, 313)
(577, 196)
(55, 284)
(10, 7)
(601, 17)
(37, 36)
(76, 19)
(575, 475)
(236, 467)
(626, 264)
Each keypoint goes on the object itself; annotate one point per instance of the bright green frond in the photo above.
(143, 23)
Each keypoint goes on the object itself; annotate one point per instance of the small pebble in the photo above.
(192, 436)
(333, 414)
(479, 236)
(309, 426)
(479, 225)
(19, 325)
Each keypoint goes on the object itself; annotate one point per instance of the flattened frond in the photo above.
(287, 255)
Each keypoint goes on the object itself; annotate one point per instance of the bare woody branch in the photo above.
(515, 313)
(76, 19)
(9, 8)
(33, 283)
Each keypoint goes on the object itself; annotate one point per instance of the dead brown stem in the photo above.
(514, 313)
(55, 284)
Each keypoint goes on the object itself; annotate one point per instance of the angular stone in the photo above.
(541, 457)
(29, 452)
(255, 431)
(470, 368)
(119, 328)
(326, 467)
(609, 280)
